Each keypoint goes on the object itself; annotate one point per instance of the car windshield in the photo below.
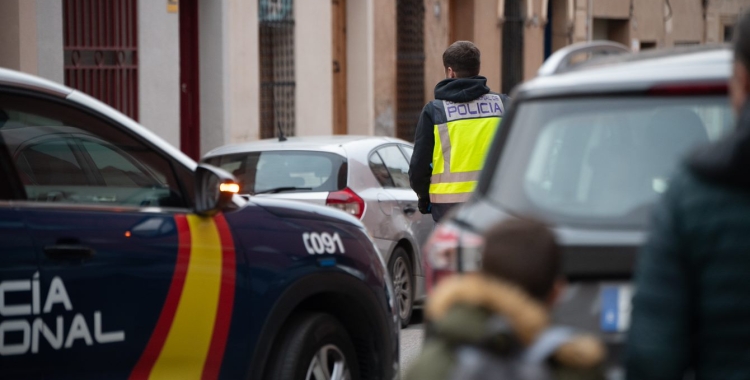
(601, 160)
(277, 171)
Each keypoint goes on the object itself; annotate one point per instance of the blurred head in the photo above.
(525, 253)
(739, 85)
(461, 60)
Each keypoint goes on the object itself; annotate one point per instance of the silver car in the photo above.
(364, 176)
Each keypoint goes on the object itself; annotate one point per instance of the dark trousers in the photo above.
(440, 209)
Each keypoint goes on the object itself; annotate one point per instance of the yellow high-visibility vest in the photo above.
(463, 134)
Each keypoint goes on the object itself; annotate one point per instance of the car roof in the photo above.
(18, 79)
(637, 72)
(333, 144)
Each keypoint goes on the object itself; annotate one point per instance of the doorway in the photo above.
(338, 8)
(189, 79)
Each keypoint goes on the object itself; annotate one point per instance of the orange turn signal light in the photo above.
(229, 187)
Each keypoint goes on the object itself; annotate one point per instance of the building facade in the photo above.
(204, 73)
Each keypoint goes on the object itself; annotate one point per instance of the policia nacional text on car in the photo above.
(454, 132)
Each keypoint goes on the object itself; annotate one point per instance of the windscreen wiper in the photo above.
(281, 189)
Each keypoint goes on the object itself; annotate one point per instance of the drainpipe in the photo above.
(571, 20)
(590, 21)
(512, 49)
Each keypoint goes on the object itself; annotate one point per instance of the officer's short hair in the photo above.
(523, 252)
(463, 58)
(742, 40)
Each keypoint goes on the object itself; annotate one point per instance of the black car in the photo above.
(588, 148)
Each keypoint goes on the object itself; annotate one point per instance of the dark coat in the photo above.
(460, 90)
(459, 311)
(691, 311)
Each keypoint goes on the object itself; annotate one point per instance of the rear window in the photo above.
(604, 160)
(286, 171)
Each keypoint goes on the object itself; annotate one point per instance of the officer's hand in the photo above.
(424, 206)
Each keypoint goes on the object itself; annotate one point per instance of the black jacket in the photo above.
(691, 308)
(459, 90)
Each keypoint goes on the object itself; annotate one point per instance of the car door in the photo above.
(19, 275)
(414, 223)
(383, 207)
(110, 229)
(424, 226)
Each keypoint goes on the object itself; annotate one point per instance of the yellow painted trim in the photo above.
(186, 348)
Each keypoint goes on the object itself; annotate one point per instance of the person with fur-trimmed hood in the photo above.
(489, 324)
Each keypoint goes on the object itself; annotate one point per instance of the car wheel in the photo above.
(315, 346)
(403, 284)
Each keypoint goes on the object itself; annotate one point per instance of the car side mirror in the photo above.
(214, 189)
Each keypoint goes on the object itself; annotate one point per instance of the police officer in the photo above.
(454, 132)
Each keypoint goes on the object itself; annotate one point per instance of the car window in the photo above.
(397, 165)
(65, 155)
(50, 162)
(380, 171)
(601, 160)
(275, 171)
(117, 168)
(408, 150)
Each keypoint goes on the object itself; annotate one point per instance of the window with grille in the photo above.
(276, 32)
(100, 47)
(410, 66)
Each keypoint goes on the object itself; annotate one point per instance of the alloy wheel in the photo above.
(329, 363)
(402, 286)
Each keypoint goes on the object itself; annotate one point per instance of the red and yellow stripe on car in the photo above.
(191, 334)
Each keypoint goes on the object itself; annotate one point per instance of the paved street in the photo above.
(411, 341)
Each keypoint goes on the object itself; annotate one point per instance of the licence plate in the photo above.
(616, 307)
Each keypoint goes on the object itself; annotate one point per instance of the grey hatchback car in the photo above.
(364, 176)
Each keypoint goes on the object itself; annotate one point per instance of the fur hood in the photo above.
(527, 317)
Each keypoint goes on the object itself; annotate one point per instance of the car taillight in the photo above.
(347, 201)
(449, 250)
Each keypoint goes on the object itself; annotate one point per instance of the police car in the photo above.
(122, 258)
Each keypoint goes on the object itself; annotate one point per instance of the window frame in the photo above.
(179, 171)
(403, 151)
(390, 175)
(374, 152)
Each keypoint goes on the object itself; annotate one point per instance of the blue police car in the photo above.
(122, 258)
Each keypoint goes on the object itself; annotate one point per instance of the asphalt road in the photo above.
(411, 341)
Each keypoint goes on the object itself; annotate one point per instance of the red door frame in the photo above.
(189, 80)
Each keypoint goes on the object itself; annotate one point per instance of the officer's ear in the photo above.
(449, 73)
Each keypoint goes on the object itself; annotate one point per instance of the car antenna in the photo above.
(281, 132)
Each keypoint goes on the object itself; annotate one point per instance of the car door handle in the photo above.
(68, 252)
(408, 210)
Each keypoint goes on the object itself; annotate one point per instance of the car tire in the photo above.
(314, 346)
(400, 269)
